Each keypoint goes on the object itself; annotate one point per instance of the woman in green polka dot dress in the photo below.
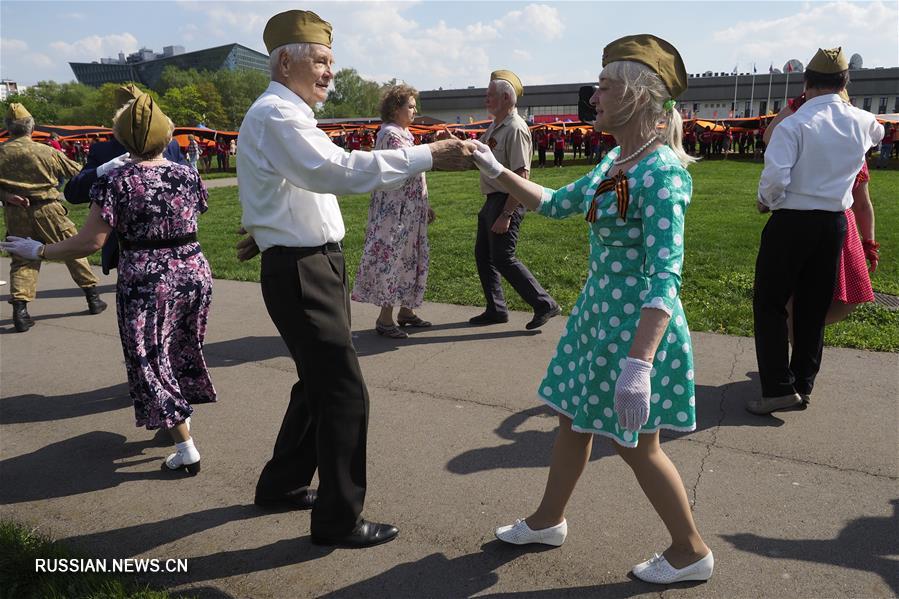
(624, 365)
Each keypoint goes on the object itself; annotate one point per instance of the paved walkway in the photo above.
(803, 504)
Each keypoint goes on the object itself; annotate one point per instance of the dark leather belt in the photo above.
(304, 251)
(155, 244)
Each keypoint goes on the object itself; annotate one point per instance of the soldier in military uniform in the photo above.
(29, 176)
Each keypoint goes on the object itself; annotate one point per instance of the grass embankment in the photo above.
(722, 235)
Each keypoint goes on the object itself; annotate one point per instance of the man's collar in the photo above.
(506, 119)
(283, 92)
(824, 99)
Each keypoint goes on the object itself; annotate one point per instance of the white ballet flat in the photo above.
(521, 534)
(658, 571)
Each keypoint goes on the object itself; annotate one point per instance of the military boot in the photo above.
(94, 304)
(21, 319)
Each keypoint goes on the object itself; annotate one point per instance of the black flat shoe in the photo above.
(300, 499)
(540, 319)
(367, 534)
(488, 318)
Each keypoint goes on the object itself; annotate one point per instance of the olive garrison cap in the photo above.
(126, 93)
(654, 52)
(511, 77)
(828, 61)
(142, 125)
(17, 111)
(296, 27)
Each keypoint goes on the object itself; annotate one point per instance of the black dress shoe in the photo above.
(367, 534)
(300, 499)
(488, 318)
(540, 319)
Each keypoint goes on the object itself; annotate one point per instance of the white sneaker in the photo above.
(657, 570)
(521, 534)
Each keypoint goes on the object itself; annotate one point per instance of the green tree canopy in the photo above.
(352, 96)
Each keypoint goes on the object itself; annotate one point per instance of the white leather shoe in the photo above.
(521, 534)
(657, 570)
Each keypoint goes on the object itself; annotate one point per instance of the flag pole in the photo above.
(736, 78)
(752, 91)
(787, 84)
(770, 77)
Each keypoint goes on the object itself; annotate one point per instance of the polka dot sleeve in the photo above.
(666, 194)
(566, 201)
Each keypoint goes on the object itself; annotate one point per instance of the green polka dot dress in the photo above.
(634, 264)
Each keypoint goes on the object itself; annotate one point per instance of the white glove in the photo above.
(25, 247)
(486, 161)
(112, 164)
(632, 394)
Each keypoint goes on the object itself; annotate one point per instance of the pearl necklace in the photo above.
(618, 161)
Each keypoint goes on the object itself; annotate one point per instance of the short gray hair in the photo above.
(296, 51)
(20, 127)
(504, 87)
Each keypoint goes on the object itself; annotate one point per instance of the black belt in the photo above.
(155, 244)
(304, 251)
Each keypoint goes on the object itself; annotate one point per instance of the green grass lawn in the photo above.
(722, 234)
(20, 547)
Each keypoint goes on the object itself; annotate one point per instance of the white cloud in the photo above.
(522, 54)
(94, 47)
(189, 32)
(74, 16)
(12, 45)
(223, 19)
(537, 19)
(816, 25)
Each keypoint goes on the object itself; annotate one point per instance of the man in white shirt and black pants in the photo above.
(810, 165)
(288, 172)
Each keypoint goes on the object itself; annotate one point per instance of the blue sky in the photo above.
(445, 44)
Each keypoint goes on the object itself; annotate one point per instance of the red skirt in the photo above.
(853, 281)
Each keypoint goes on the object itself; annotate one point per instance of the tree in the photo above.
(352, 96)
(184, 105)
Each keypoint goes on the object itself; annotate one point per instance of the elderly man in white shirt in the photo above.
(810, 165)
(288, 172)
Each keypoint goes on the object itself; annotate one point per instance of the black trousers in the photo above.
(541, 156)
(558, 156)
(495, 255)
(326, 423)
(798, 256)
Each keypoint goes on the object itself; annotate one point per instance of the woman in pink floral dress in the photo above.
(394, 266)
(164, 281)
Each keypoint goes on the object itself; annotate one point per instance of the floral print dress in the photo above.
(162, 295)
(635, 263)
(394, 265)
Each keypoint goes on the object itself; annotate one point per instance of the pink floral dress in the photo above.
(162, 295)
(394, 266)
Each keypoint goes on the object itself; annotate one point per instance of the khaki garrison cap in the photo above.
(511, 77)
(142, 125)
(654, 52)
(126, 93)
(17, 111)
(296, 27)
(828, 61)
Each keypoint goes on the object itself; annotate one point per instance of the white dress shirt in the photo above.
(288, 171)
(815, 154)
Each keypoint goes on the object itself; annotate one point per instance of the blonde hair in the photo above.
(643, 98)
(118, 125)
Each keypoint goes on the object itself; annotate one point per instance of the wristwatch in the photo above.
(40, 252)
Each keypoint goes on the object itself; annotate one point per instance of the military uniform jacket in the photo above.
(33, 170)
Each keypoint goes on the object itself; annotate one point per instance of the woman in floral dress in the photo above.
(624, 365)
(394, 266)
(164, 281)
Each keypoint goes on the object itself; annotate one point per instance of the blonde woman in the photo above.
(624, 366)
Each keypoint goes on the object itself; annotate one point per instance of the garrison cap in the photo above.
(296, 27)
(655, 53)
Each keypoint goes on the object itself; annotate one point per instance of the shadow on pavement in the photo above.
(96, 460)
(438, 577)
(866, 544)
(73, 291)
(715, 406)
(235, 352)
(369, 343)
(32, 407)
